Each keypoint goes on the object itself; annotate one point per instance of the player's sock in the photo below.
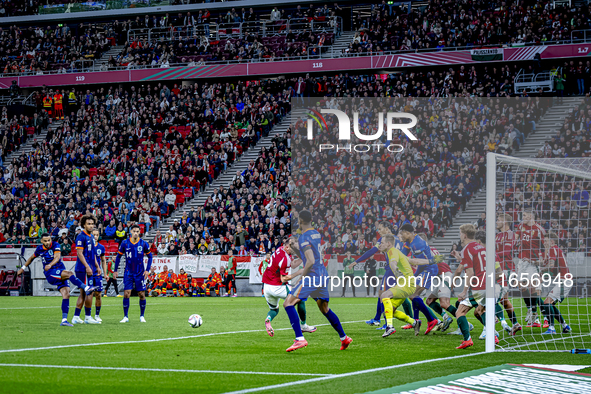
(464, 327)
(294, 319)
(436, 307)
(403, 317)
(125, 306)
(65, 309)
(97, 310)
(142, 307)
(301, 307)
(272, 313)
(512, 317)
(77, 312)
(388, 310)
(423, 308)
(452, 310)
(335, 323)
(379, 310)
(534, 304)
(481, 318)
(548, 311)
(457, 304)
(87, 311)
(558, 315)
(77, 282)
(407, 307)
(499, 313)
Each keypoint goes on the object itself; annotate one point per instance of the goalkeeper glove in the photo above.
(438, 258)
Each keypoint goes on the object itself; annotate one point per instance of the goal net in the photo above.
(537, 232)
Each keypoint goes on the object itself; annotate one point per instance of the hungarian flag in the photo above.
(487, 55)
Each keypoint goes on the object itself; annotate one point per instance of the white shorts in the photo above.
(526, 271)
(560, 292)
(444, 289)
(274, 293)
(478, 297)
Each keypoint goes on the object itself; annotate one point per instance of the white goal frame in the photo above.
(492, 159)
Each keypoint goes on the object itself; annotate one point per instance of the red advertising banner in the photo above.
(297, 66)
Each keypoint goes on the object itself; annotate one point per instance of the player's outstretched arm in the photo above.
(27, 263)
(367, 255)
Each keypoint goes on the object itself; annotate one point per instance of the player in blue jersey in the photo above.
(417, 249)
(314, 283)
(134, 249)
(97, 279)
(86, 264)
(384, 228)
(55, 272)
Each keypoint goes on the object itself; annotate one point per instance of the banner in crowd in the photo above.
(487, 55)
(160, 261)
(207, 262)
(256, 270)
(189, 263)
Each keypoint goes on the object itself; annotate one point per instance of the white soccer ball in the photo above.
(195, 321)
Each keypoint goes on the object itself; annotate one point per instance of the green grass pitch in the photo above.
(29, 322)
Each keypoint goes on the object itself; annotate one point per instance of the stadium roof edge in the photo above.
(133, 12)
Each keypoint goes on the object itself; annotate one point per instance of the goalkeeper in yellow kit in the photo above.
(405, 286)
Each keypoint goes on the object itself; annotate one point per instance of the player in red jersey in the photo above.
(442, 291)
(275, 278)
(505, 242)
(562, 278)
(474, 294)
(530, 239)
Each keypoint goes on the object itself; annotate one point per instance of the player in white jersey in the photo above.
(275, 283)
(442, 291)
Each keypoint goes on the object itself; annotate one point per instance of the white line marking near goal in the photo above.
(59, 306)
(561, 338)
(159, 370)
(343, 375)
(152, 340)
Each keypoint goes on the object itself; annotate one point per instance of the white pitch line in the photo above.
(561, 338)
(151, 340)
(343, 375)
(59, 306)
(159, 370)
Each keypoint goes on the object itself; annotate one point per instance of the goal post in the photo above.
(541, 207)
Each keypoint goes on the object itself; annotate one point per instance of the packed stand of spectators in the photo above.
(573, 138)
(249, 217)
(469, 24)
(15, 130)
(132, 155)
(193, 45)
(426, 185)
(560, 202)
(35, 50)
(18, 8)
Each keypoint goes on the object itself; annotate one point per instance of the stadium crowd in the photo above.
(467, 24)
(132, 155)
(186, 38)
(34, 50)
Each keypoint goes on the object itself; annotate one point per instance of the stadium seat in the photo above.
(8, 279)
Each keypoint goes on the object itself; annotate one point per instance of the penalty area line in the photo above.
(153, 340)
(344, 375)
(158, 370)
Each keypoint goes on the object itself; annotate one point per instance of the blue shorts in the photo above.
(97, 282)
(424, 274)
(131, 280)
(54, 278)
(315, 287)
(83, 277)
